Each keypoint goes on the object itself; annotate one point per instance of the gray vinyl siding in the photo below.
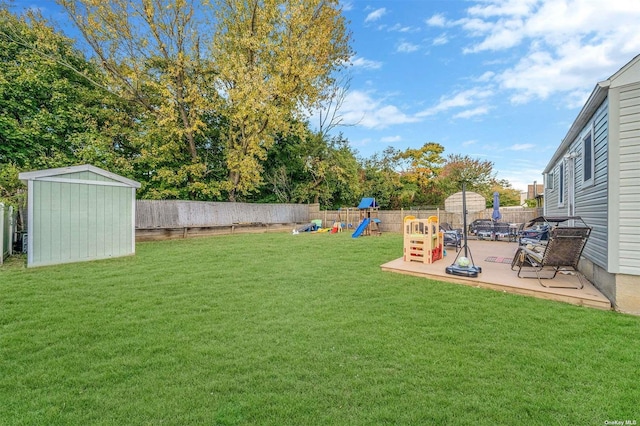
(590, 201)
(629, 180)
(551, 196)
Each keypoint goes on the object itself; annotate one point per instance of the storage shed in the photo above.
(79, 213)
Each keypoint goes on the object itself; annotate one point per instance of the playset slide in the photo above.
(363, 225)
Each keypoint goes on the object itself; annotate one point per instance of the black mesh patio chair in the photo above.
(563, 249)
(452, 237)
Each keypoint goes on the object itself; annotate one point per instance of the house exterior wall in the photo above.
(624, 257)
(591, 200)
(612, 257)
(73, 220)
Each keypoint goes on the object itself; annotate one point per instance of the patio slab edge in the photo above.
(588, 300)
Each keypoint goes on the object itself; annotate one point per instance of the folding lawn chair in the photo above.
(563, 249)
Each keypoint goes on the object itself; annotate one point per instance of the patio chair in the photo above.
(452, 237)
(535, 235)
(563, 249)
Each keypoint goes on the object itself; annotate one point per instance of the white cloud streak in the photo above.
(375, 15)
(406, 47)
(362, 109)
(463, 99)
(365, 63)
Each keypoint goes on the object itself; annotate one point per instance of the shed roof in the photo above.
(39, 174)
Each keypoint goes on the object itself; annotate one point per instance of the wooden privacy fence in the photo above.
(7, 221)
(163, 219)
(391, 220)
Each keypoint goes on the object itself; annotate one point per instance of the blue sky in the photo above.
(499, 80)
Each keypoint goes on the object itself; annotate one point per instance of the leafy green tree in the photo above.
(508, 195)
(152, 52)
(380, 179)
(313, 169)
(11, 189)
(420, 169)
(477, 174)
(283, 171)
(217, 81)
(274, 60)
(53, 112)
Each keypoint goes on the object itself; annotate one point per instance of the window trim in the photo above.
(589, 135)
(548, 182)
(561, 183)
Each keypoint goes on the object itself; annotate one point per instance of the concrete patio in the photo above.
(497, 275)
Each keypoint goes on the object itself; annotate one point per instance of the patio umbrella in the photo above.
(496, 207)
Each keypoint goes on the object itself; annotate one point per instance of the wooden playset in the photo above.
(369, 221)
(423, 240)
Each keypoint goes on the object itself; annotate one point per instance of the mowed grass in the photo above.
(277, 329)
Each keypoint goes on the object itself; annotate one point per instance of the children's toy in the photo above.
(337, 224)
(369, 222)
(307, 227)
(423, 240)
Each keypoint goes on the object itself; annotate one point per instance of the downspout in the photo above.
(570, 164)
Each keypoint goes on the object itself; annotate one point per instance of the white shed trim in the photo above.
(83, 181)
(41, 174)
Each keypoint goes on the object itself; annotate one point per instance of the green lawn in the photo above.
(280, 329)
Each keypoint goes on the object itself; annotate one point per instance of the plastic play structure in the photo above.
(423, 241)
(338, 224)
(369, 222)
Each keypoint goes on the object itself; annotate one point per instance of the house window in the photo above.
(548, 183)
(588, 164)
(561, 184)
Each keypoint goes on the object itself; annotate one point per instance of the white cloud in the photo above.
(375, 15)
(522, 147)
(346, 6)
(487, 76)
(436, 21)
(463, 99)
(406, 47)
(442, 39)
(403, 29)
(569, 45)
(474, 112)
(362, 109)
(365, 63)
(521, 172)
(391, 139)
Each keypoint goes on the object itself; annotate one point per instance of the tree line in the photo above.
(205, 101)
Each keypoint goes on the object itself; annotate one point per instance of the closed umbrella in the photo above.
(496, 207)
(496, 213)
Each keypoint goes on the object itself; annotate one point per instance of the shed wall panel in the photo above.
(77, 222)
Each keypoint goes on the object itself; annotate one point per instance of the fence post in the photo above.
(12, 229)
(2, 218)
